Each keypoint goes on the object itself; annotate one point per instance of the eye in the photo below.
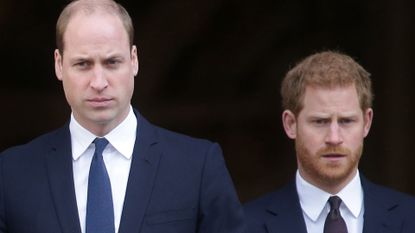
(345, 121)
(113, 62)
(320, 121)
(82, 65)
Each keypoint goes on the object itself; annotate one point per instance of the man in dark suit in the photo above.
(327, 99)
(108, 169)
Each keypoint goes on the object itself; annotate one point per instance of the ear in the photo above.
(290, 124)
(58, 64)
(134, 60)
(368, 117)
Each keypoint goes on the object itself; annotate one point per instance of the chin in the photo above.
(336, 175)
(102, 118)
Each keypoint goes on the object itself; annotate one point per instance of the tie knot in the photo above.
(335, 202)
(100, 144)
(334, 222)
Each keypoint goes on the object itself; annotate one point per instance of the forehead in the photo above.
(93, 28)
(342, 99)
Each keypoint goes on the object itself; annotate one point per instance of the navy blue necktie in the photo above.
(334, 221)
(100, 210)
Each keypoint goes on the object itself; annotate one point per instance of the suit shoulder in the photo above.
(278, 195)
(32, 147)
(168, 136)
(257, 211)
(269, 203)
(179, 148)
(388, 194)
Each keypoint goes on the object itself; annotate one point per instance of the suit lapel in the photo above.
(60, 173)
(143, 170)
(288, 216)
(378, 208)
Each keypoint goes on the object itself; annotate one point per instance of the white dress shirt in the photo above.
(315, 206)
(117, 157)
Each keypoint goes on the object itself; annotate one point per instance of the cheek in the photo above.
(74, 86)
(312, 140)
(356, 143)
(71, 85)
(125, 81)
(122, 85)
(355, 137)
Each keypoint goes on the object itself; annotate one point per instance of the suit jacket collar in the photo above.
(60, 173)
(288, 216)
(379, 206)
(144, 165)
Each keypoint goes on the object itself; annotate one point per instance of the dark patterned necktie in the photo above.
(100, 210)
(334, 221)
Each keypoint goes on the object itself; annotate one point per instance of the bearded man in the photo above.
(327, 102)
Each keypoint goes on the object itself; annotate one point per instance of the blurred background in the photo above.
(213, 69)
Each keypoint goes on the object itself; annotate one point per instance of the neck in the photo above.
(332, 185)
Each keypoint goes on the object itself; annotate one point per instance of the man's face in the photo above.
(329, 133)
(97, 69)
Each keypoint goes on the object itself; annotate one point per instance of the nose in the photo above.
(99, 80)
(334, 136)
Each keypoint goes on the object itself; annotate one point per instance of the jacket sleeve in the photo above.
(220, 208)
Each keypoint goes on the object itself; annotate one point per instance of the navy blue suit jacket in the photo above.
(177, 184)
(386, 211)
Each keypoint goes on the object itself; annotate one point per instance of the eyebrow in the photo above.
(329, 115)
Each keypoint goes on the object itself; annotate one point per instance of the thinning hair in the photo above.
(89, 7)
(326, 69)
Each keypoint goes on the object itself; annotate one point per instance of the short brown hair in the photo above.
(89, 7)
(325, 69)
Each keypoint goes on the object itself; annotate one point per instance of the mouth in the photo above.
(333, 157)
(99, 102)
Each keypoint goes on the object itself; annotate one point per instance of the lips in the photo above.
(334, 155)
(334, 158)
(99, 102)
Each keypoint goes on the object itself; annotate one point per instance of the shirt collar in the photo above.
(122, 138)
(313, 200)
(352, 195)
